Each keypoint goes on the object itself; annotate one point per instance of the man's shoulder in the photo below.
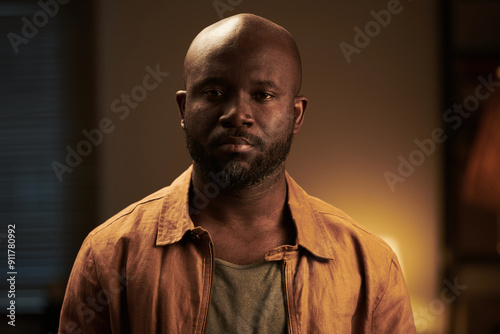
(342, 228)
(144, 215)
(143, 212)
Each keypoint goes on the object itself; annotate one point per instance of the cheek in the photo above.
(279, 122)
(198, 117)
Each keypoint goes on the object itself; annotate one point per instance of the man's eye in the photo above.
(263, 96)
(213, 93)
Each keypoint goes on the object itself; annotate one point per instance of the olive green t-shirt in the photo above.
(247, 299)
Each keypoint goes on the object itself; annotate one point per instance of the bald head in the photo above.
(243, 35)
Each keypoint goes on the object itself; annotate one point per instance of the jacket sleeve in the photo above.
(393, 314)
(85, 306)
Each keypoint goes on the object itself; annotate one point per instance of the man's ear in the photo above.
(180, 96)
(300, 106)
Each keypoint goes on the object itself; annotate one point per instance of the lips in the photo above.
(235, 145)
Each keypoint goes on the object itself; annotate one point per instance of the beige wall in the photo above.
(361, 117)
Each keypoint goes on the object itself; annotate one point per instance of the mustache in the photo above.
(253, 139)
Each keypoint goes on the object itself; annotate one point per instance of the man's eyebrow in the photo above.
(266, 83)
(210, 81)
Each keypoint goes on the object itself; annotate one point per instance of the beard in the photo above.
(233, 173)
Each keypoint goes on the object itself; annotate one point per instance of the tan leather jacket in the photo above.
(148, 269)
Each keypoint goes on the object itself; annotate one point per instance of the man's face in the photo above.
(240, 113)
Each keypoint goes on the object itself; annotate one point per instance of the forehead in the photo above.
(236, 63)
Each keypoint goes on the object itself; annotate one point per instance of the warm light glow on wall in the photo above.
(394, 244)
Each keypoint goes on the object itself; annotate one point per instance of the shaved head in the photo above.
(242, 35)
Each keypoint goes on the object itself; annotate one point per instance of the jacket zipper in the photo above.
(211, 248)
(285, 294)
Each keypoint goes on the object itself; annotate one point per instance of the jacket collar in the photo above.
(174, 221)
(311, 230)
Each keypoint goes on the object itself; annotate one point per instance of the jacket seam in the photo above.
(99, 285)
(91, 251)
(137, 205)
(385, 291)
(347, 221)
(354, 225)
(111, 222)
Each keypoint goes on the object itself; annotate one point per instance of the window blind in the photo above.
(41, 109)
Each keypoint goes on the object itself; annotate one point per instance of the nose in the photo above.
(237, 114)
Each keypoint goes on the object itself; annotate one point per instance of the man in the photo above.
(234, 245)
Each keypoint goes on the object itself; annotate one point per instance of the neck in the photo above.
(250, 207)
